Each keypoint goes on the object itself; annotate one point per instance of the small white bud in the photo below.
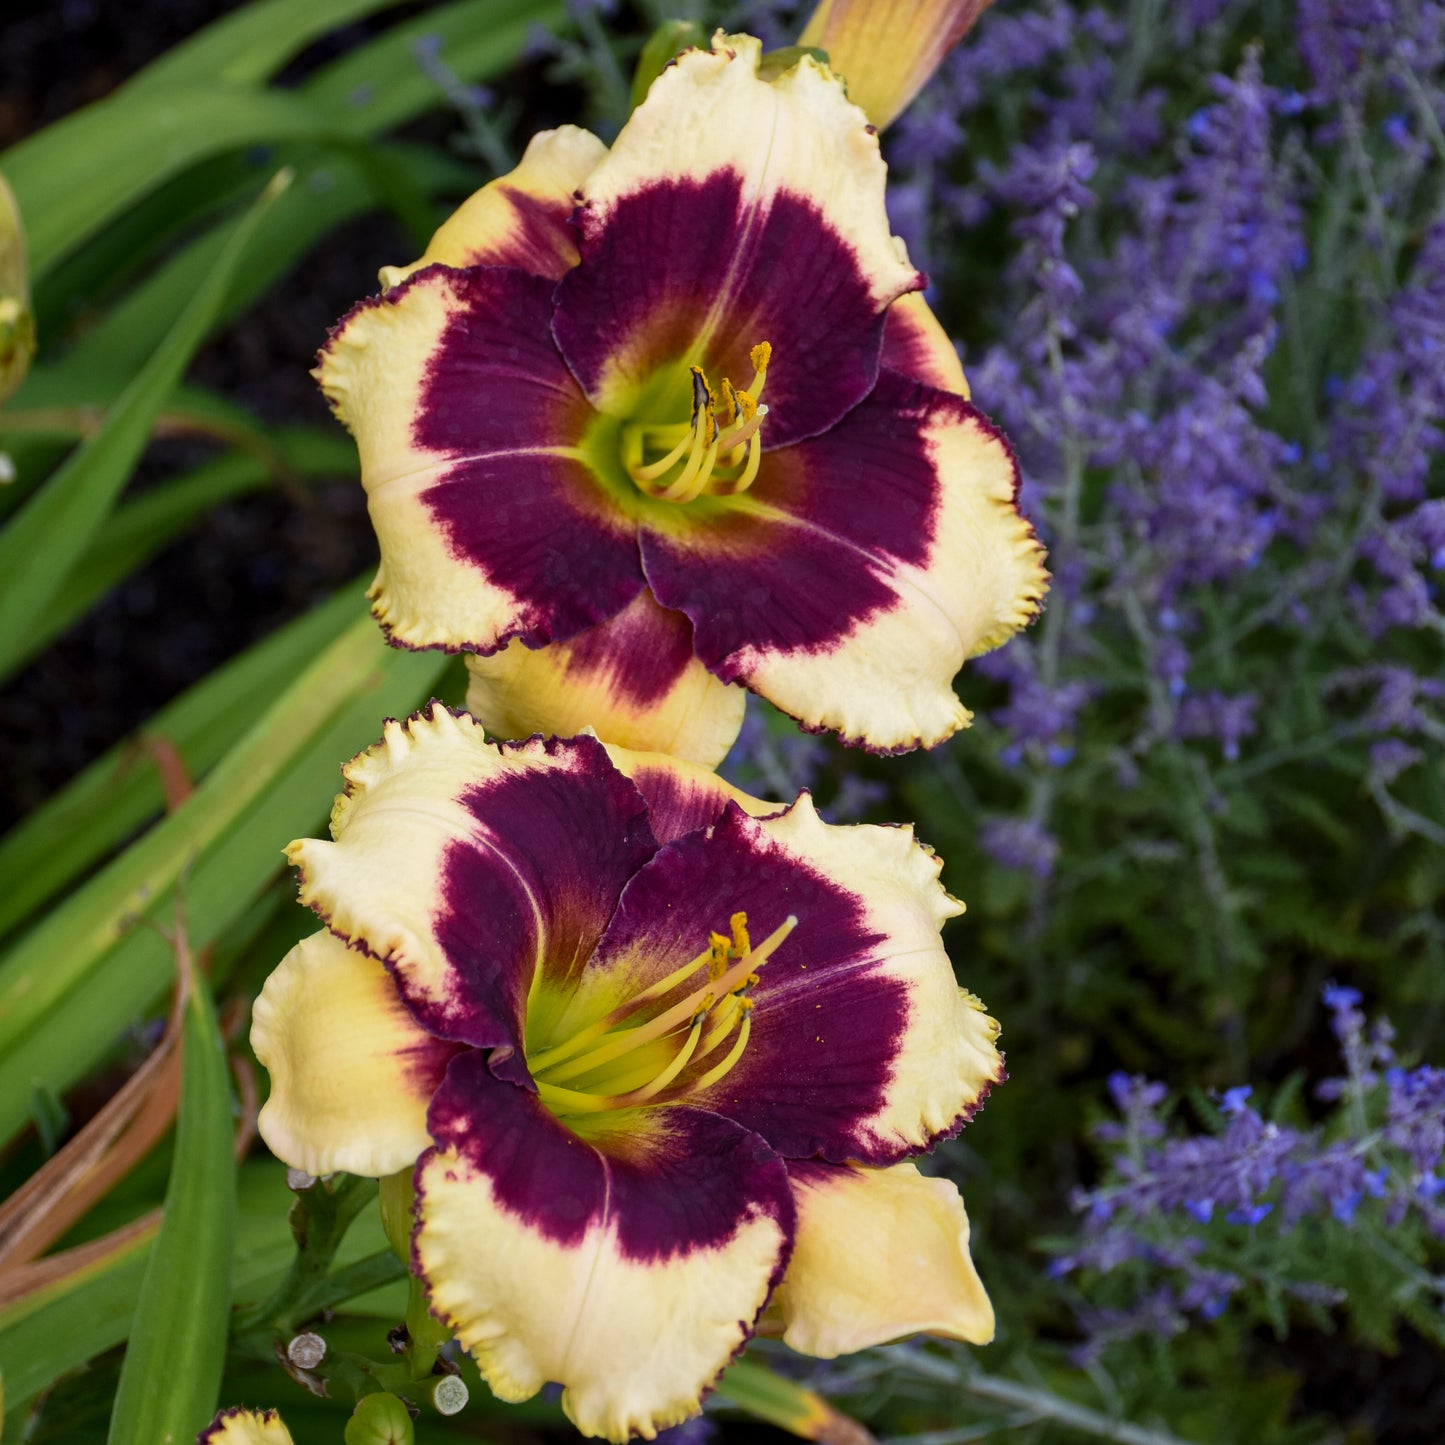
(299, 1179)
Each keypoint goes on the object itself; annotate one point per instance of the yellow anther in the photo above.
(719, 431)
(717, 964)
(739, 925)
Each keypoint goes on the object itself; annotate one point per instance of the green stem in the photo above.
(1041, 1403)
(320, 1217)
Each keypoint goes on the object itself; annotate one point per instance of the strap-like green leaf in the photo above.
(138, 530)
(75, 176)
(172, 1371)
(121, 791)
(91, 967)
(250, 44)
(40, 545)
(48, 1334)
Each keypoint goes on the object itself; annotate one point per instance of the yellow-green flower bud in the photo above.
(17, 321)
(379, 1420)
(886, 50)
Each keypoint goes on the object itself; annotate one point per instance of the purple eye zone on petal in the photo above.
(643, 652)
(552, 853)
(689, 1186)
(688, 270)
(530, 517)
(826, 1025)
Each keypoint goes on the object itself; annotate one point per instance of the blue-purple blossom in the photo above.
(1017, 843)
(1181, 1203)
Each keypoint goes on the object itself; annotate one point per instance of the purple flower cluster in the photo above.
(1183, 1205)
(1178, 284)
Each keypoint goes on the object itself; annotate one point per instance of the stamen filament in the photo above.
(679, 1062)
(653, 470)
(576, 1102)
(695, 475)
(718, 428)
(701, 1000)
(734, 1054)
(546, 1058)
(749, 473)
(734, 436)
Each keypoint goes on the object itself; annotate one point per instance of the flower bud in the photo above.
(888, 49)
(17, 321)
(379, 1420)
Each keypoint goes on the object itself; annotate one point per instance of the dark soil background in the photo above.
(251, 564)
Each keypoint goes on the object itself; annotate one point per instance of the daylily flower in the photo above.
(887, 50)
(245, 1427)
(675, 414)
(659, 1053)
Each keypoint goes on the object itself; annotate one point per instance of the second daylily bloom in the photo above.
(675, 414)
(658, 1052)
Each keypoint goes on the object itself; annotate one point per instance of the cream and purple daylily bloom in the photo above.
(245, 1427)
(658, 1052)
(649, 425)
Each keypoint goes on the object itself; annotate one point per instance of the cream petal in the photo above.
(629, 1268)
(490, 523)
(863, 1045)
(916, 345)
(880, 1254)
(633, 680)
(850, 585)
(245, 1427)
(520, 219)
(730, 211)
(681, 795)
(352, 1073)
(467, 866)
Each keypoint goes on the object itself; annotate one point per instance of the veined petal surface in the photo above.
(866, 564)
(862, 1045)
(467, 866)
(633, 679)
(915, 345)
(629, 1266)
(880, 1254)
(683, 797)
(732, 211)
(352, 1072)
(887, 49)
(521, 219)
(467, 421)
